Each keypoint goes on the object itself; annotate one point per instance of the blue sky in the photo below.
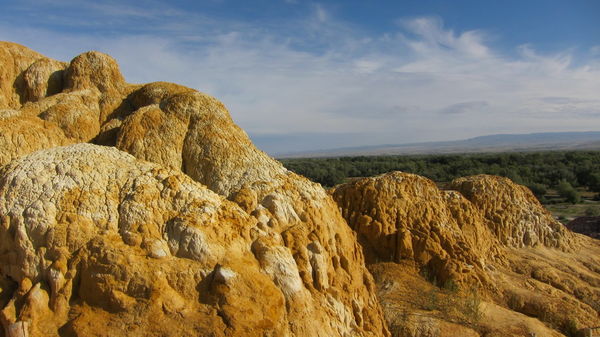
(304, 75)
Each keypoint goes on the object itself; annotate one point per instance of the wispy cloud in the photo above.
(433, 36)
(463, 107)
(318, 75)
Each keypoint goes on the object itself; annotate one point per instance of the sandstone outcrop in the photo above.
(405, 216)
(513, 213)
(212, 238)
(161, 122)
(22, 135)
(26, 75)
(481, 232)
(415, 307)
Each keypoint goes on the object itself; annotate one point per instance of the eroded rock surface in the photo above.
(513, 213)
(96, 241)
(26, 75)
(165, 123)
(405, 216)
(485, 233)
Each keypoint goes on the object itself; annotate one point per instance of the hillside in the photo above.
(550, 141)
(143, 210)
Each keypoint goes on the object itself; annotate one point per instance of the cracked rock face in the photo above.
(143, 210)
(93, 231)
(177, 226)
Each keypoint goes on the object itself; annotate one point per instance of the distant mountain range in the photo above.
(549, 141)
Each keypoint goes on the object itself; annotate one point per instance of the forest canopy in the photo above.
(537, 170)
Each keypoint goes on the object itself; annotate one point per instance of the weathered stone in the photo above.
(489, 233)
(125, 245)
(404, 216)
(513, 213)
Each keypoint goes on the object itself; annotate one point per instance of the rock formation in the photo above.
(481, 232)
(26, 76)
(405, 216)
(143, 210)
(512, 212)
(197, 233)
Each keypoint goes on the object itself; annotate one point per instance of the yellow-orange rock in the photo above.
(22, 135)
(529, 264)
(405, 216)
(43, 78)
(110, 244)
(107, 244)
(14, 61)
(200, 233)
(513, 213)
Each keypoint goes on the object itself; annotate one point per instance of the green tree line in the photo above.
(561, 170)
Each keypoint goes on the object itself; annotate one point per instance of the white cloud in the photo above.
(322, 76)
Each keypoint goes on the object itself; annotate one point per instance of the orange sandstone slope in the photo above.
(177, 226)
(485, 234)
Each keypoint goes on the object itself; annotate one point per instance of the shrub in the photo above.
(463, 305)
(568, 192)
(594, 182)
(515, 301)
(432, 301)
(538, 189)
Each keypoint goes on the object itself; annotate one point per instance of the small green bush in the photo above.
(568, 192)
(538, 189)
